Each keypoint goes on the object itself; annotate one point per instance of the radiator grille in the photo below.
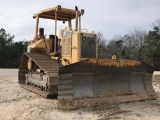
(88, 47)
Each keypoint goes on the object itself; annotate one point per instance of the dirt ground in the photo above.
(19, 104)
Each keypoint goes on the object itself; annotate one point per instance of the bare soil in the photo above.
(17, 103)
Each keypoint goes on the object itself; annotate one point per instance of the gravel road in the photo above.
(17, 103)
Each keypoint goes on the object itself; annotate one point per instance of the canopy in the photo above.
(63, 14)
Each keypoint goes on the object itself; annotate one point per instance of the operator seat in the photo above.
(53, 39)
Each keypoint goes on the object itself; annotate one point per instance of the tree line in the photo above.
(10, 51)
(138, 44)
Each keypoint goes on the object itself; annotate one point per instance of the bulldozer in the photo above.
(67, 67)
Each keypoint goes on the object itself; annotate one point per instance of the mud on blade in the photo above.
(104, 81)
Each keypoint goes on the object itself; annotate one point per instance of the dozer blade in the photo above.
(102, 81)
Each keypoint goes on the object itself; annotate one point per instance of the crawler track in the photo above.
(49, 66)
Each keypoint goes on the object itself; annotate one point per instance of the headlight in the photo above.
(93, 39)
(83, 38)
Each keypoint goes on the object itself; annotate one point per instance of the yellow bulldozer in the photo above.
(68, 68)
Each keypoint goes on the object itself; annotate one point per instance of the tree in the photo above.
(6, 41)
(137, 37)
(102, 52)
(130, 46)
(157, 23)
(10, 51)
(115, 47)
(152, 44)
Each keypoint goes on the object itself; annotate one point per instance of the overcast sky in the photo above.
(110, 17)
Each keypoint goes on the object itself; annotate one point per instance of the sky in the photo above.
(110, 17)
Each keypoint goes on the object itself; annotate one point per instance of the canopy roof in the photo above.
(63, 14)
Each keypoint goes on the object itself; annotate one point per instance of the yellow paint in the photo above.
(41, 44)
(75, 48)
